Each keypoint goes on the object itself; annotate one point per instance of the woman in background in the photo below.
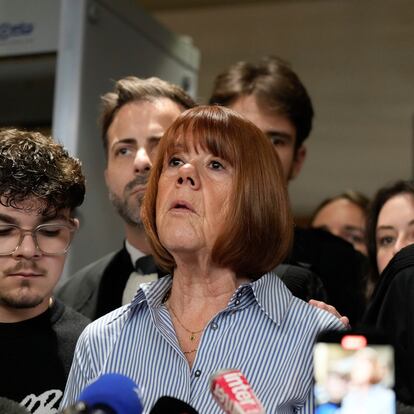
(344, 216)
(390, 226)
(391, 255)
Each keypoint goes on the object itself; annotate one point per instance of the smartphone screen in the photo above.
(354, 374)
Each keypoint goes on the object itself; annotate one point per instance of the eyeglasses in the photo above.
(50, 239)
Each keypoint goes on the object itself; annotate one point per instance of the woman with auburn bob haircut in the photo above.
(216, 212)
(258, 212)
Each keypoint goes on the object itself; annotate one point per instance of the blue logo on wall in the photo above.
(10, 30)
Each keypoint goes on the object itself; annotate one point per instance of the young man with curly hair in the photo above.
(40, 187)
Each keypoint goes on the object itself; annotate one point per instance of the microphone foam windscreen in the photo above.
(116, 391)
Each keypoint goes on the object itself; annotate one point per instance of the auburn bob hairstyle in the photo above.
(258, 231)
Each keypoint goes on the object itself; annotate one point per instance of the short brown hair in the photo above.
(34, 166)
(258, 230)
(130, 89)
(276, 87)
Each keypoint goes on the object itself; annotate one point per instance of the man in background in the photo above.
(271, 95)
(40, 187)
(134, 118)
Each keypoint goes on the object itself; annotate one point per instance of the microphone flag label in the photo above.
(233, 393)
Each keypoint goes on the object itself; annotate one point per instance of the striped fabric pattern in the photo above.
(265, 332)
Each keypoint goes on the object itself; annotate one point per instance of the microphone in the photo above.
(109, 394)
(11, 407)
(171, 405)
(233, 393)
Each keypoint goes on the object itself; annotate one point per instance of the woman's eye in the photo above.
(174, 162)
(356, 239)
(385, 241)
(216, 165)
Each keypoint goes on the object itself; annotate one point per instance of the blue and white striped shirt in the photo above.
(264, 331)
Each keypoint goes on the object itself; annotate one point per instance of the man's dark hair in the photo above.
(276, 87)
(131, 89)
(35, 167)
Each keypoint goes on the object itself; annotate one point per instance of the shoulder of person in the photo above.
(395, 288)
(301, 281)
(65, 318)
(91, 272)
(321, 319)
(111, 322)
(80, 291)
(88, 278)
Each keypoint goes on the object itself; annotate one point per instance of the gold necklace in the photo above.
(192, 333)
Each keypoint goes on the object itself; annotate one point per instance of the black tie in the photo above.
(146, 265)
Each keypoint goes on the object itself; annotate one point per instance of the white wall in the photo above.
(356, 59)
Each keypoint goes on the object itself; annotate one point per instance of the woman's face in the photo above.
(344, 219)
(395, 228)
(193, 194)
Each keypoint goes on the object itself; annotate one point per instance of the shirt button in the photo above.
(240, 294)
(214, 326)
(197, 373)
(237, 302)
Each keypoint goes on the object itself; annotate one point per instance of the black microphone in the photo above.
(109, 394)
(11, 407)
(171, 405)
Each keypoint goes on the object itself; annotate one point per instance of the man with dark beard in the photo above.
(40, 187)
(134, 118)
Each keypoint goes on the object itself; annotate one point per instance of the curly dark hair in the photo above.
(34, 166)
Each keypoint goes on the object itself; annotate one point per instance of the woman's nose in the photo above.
(142, 162)
(188, 175)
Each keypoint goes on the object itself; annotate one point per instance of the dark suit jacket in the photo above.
(87, 290)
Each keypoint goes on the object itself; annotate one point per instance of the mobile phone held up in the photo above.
(354, 373)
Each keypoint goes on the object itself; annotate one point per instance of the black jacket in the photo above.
(392, 311)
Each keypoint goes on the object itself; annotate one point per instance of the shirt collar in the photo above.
(153, 292)
(134, 253)
(269, 292)
(272, 296)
